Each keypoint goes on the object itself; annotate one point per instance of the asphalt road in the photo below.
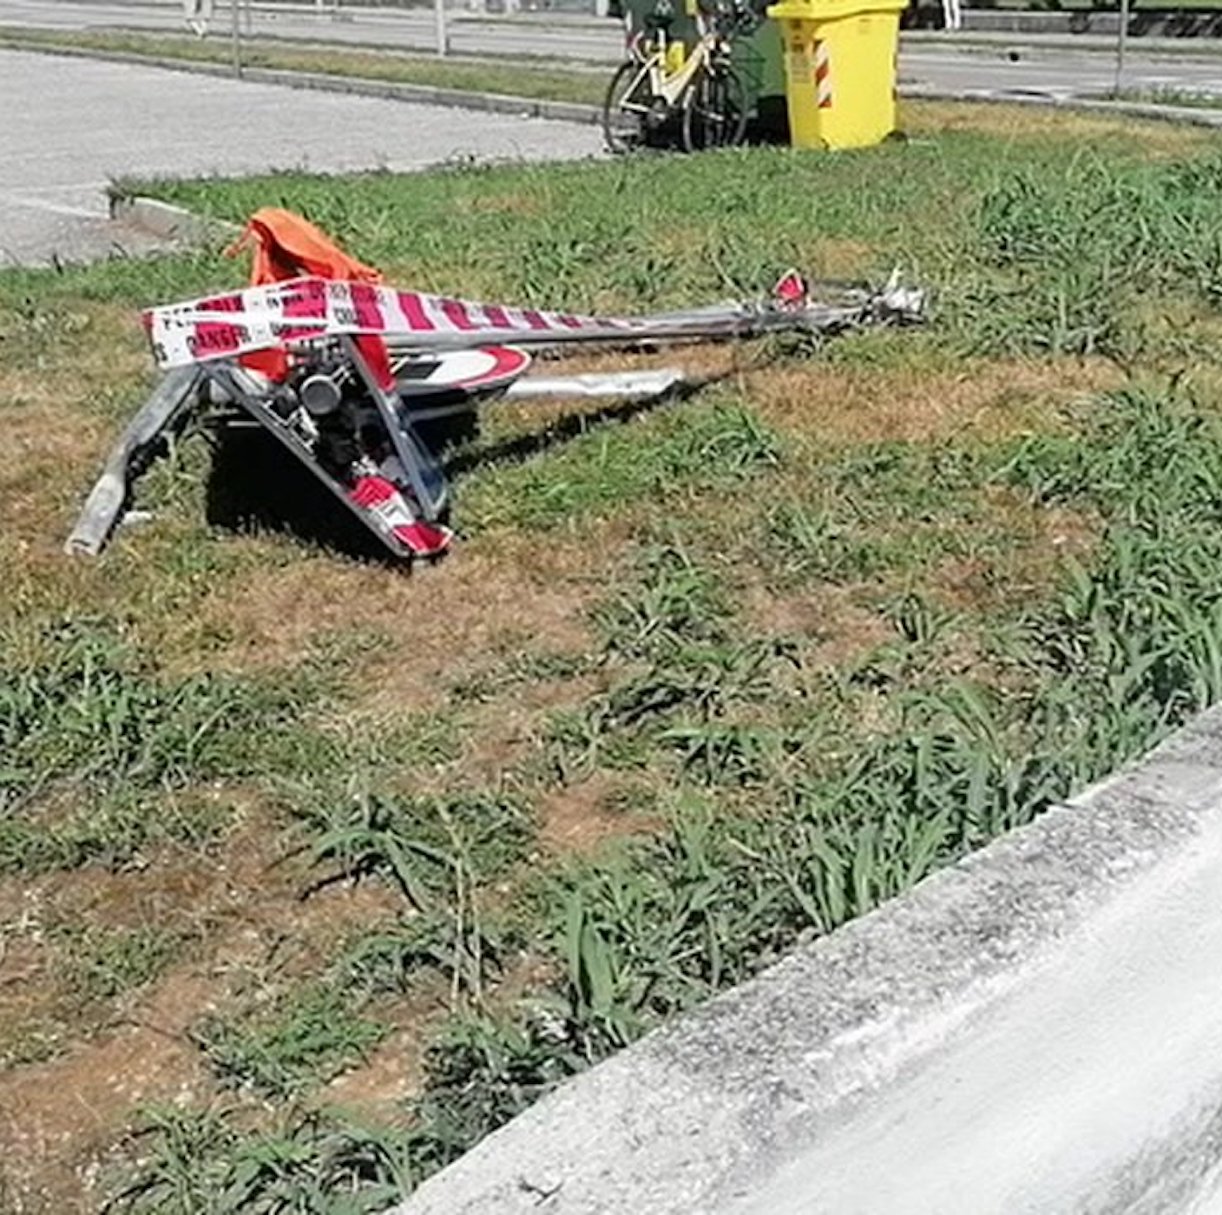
(1041, 67)
(1041, 70)
(81, 123)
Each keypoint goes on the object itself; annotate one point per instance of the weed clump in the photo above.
(101, 753)
(305, 1039)
(201, 1160)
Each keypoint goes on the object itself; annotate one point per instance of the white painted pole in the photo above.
(1122, 35)
(236, 31)
(439, 15)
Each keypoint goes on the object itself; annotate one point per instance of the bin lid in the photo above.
(830, 10)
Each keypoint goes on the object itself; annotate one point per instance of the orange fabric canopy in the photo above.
(288, 246)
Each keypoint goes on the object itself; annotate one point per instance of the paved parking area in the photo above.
(72, 125)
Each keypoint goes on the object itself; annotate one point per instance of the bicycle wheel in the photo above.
(716, 112)
(626, 107)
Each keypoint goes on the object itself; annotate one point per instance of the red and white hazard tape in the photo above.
(225, 326)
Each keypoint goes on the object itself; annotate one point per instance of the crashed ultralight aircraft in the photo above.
(345, 371)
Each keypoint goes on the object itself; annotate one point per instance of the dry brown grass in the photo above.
(579, 817)
(59, 1118)
(432, 622)
(841, 623)
(239, 909)
(1157, 139)
(988, 400)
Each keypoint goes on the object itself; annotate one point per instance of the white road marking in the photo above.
(45, 204)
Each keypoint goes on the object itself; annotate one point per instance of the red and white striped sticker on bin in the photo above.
(823, 76)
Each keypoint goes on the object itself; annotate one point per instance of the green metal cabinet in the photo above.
(759, 63)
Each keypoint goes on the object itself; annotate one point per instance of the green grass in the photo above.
(99, 748)
(429, 849)
(103, 964)
(306, 1038)
(540, 82)
(710, 445)
(112, 832)
(697, 683)
(311, 1161)
(1169, 95)
(90, 710)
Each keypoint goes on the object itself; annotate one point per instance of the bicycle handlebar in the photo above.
(734, 18)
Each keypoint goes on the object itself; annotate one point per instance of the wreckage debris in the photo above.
(343, 371)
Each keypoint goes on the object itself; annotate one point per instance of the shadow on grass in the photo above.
(255, 485)
(567, 428)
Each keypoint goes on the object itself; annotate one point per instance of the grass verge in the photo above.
(357, 863)
(1169, 95)
(478, 76)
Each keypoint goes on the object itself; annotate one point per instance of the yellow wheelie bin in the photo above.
(840, 69)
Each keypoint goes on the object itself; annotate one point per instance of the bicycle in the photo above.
(704, 92)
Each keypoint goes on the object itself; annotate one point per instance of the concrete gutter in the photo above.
(1036, 1029)
(170, 222)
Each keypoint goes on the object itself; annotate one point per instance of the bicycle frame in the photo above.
(673, 88)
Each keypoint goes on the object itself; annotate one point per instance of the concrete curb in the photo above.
(814, 1087)
(170, 222)
(498, 103)
(1177, 115)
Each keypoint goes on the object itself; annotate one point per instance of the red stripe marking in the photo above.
(222, 303)
(376, 356)
(412, 307)
(219, 338)
(215, 339)
(497, 317)
(506, 362)
(536, 320)
(456, 313)
(823, 77)
(365, 305)
(368, 313)
(308, 301)
(424, 539)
